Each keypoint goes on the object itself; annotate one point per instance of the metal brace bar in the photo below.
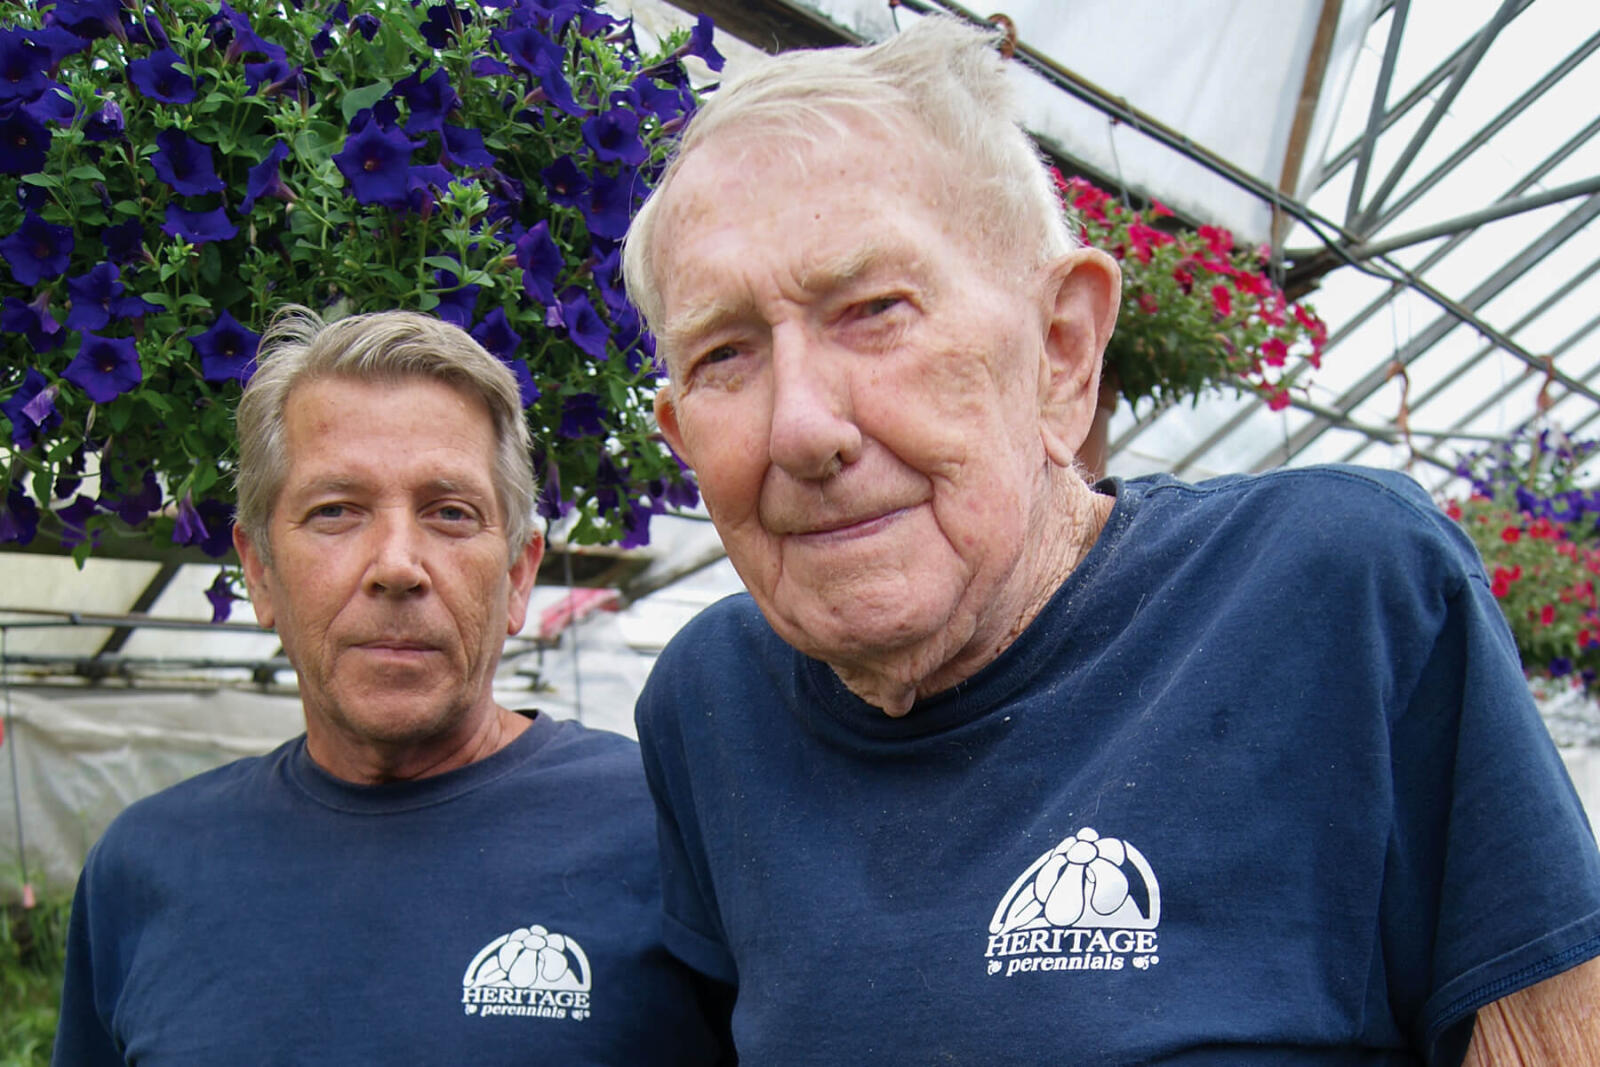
(1375, 116)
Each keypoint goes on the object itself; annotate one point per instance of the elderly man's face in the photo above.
(858, 390)
(390, 584)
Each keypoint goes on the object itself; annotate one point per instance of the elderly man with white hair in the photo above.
(995, 766)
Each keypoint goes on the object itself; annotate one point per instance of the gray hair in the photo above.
(942, 74)
(386, 346)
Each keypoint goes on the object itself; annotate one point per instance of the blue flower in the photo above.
(528, 391)
(185, 164)
(105, 367)
(59, 42)
(584, 325)
(34, 321)
(220, 593)
(581, 416)
(666, 103)
(609, 205)
(24, 66)
(130, 492)
(440, 25)
(106, 124)
(37, 251)
(27, 142)
(457, 304)
(157, 76)
(124, 241)
(90, 18)
(564, 183)
(32, 410)
(198, 227)
(19, 516)
(496, 336)
(607, 274)
(266, 178)
(614, 137)
(541, 262)
(700, 43)
(377, 164)
(366, 25)
(429, 101)
(463, 147)
(227, 350)
(190, 528)
(91, 295)
(75, 520)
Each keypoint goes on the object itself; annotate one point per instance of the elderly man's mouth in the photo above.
(840, 532)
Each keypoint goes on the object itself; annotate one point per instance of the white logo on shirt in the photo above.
(1091, 903)
(529, 971)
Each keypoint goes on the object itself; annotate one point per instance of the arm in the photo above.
(81, 1037)
(1554, 1023)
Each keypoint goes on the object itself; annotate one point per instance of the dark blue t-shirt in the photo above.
(1263, 783)
(269, 913)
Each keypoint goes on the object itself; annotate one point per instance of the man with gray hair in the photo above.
(424, 876)
(995, 766)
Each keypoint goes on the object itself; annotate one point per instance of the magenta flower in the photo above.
(185, 164)
(105, 367)
(37, 251)
(157, 76)
(198, 227)
(227, 350)
(377, 164)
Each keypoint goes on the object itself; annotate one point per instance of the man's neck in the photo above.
(366, 762)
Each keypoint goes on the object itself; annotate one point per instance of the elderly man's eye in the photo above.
(720, 354)
(878, 305)
(328, 511)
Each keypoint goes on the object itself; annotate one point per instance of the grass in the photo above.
(32, 948)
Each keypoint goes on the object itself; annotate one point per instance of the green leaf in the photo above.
(85, 173)
(44, 181)
(366, 96)
(449, 263)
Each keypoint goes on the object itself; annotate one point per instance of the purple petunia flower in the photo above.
(191, 528)
(227, 350)
(198, 227)
(377, 164)
(31, 409)
(526, 390)
(541, 262)
(581, 417)
(27, 142)
(584, 325)
(607, 273)
(664, 102)
(53, 105)
(266, 178)
(185, 164)
(220, 593)
(614, 137)
(273, 70)
(463, 147)
(34, 321)
(700, 44)
(92, 294)
(130, 492)
(37, 251)
(90, 18)
(105, 367)
(24, 66)
(429, 100)
(106, 124)
(610, 201)
(439, 27)
(19, 516)
(157, 76)
(366, 25)
(144, 28)
(124, 241)
(496, 336)
(456, 306)
(75, 521)
(564, 183)
(487, 66)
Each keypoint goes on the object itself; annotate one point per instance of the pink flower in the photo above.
(1274, 351)
(1220, 241)
(1510, 535)
(1547, 614)
(1147, 304)
(1222, 300)
(1278, 400)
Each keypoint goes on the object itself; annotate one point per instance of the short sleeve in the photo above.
(82, 1038)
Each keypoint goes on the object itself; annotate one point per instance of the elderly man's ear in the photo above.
(1082, 291)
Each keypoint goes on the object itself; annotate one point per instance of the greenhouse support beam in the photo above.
(1375, 114)
(1472, 220)
(146, 600)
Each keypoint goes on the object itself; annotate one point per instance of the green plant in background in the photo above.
(1197, 312)
(32, 948)
(175, 171)
(1535, 526)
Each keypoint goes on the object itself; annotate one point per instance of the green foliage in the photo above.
(1197, 312)
(32, 947)
(348, 157)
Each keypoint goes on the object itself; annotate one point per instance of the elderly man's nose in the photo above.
(813, 430)
(396, 567)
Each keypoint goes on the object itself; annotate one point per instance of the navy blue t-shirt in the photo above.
(1263, 783)
(268, 913)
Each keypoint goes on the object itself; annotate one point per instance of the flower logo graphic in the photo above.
(1085, 881)
(530, 958)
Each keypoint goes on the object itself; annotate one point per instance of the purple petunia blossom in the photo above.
(90, 18)
(91, 295)
(185, 164)
(377, 164)
(198, 227)
(541, 262)
(366, 25)
(496, 336)
(75, 521)
(584, 325)
(24, 67)
(428, 100)
(564, 183)
(463, 147)
(609, 204)
(227, 350)
(157, 76)
(614, 137)
(663, 102)
(106, 124)
(607, 274)
(37, 251)
(27, 143)
(220, 593)
(700, 44)
(191, 528)
(19, 516)
(456, 306)
(53, 105)
(522, 45)
(129, 492)
(124, 241)
(143, 28)
(59, 41)
(581, 417)
(487, 66)
(266, 178)
(31, 409)
(105, 367)
(269, 71)
(34, 321)
(526, 390)
(439, 27)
